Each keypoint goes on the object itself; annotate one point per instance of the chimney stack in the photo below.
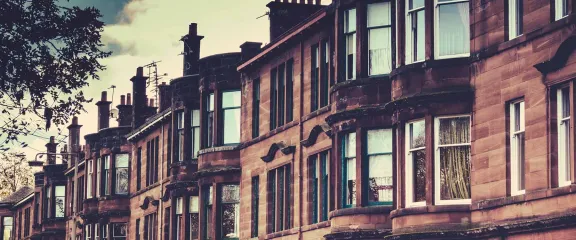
(128, 99)
(74, 140)
(51, 150)
(124, 111)
(140, 106)
(285, 15)
(249, 50)
(165, 95)
(191, 50)
(103, 111)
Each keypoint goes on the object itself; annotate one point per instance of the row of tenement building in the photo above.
(362, 119)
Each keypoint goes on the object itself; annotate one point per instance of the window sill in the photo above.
(218, 149)
(432, 63)
(360, 210)
(268, 134)
(378, 79)
(316, 226)
(282, 233)
(527, 197)
(429, 209)
(143, 190)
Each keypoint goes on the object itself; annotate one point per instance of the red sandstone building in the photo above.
(362, 119)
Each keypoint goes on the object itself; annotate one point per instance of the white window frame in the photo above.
(98, 175)
(437, 198)
(409, 176)
(437, 28)
(513, 19)
(563, 160)
(409, 41)
(195, 128)
(559, 9)
(89, 179)
(514, 161)
(379, 27)
(180, 133)
(179, 217)
(346, 34)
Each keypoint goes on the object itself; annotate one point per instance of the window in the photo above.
(180, 136)
(106, 174)
(195, 134)
(71, 187)
(119, 231)
(279, 188)
(152, 148)
(36, 208)
(281, 94)
(561, 9)
(137, 229)
(415, 31)
(315, 76)
(255, 204)
(230, 200)
(48, 203)
(415, 162)
(350, 36)
(207, 194)
(138, 169)
(27, 222)
(194, 217)
(209, 120)
(105, 231)
(7, 225)
(150, 225)
(452, 160)
(515, 15)
(231, 108)
(320, 54)
(80, 201)
(122, 173)
(517, 147)
(349, 169)
(319, 184)
(452, 25)
(255, 108)
(325, 56)
(178, 222)
(99, 176)
(19, 228)
(59, 200)
(379, 38)
(89, 179)
(88, 231)
(380, 178)
(167, 228)
(97, 231)
(563, 119)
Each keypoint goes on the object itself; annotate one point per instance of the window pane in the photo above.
(230, 193)
(179, 205)
(231, 99)
(180, 117)
(119, 230)
(121, 180)
(454, 130)
(350, 25)
(420, 32)
(380, 50)
(196, 142)
(378, 14)
(351, 145)
(379, 141)
(453, 25)
(415, 4)
(419, 175)
(351, 181)
(232, 126)
(211, 102)
(520, 158)
(350, 53)
(565, 102)
(193, 204)
(195, 118)
(417, 134)
(380, 178)
(455, 173)
(121, 160)
(60, 191)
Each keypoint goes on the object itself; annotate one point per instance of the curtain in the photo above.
(455, 160)
(453, 29)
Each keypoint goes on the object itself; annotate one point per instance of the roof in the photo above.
(149, 123)
(18, 195)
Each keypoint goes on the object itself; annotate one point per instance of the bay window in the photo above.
(379, 181)
(195, 132)
(379, 38)
(231, 108)
(230, 215)
(319, 184)
(349, 169)
(7, 226)
(452, 28)
(452, 160)
(515, 15)
(106, 174)
(208, 226)
(59, 201)
(119, 231)
(122, 173)
(560, 9)
(180, 135)
(209, 120)
(178, 221)
(517, 143)
(563, 119)
(415, 31)
(194, 217)
(415, 162)
(90, 172)
(350, 36)
(279, 190)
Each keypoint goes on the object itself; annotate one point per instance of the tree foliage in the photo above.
(14, 173)
(48, 53)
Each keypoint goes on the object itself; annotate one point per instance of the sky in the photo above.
(141, 31)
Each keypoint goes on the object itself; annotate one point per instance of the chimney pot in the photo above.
(193, 29)
(122, 100)
(128, 99)
(51, 139)
(74, 120)
(104, 96)
(140, 72)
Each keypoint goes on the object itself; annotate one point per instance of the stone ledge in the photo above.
(432, 63)
(212, 171)
(315, 226)
(429, 209)
(218, 149)
(360, 210)
(529, 196)
(283, 233)
(359, 234)
(359, 82)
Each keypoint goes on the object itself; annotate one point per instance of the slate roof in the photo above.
(18, 195)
